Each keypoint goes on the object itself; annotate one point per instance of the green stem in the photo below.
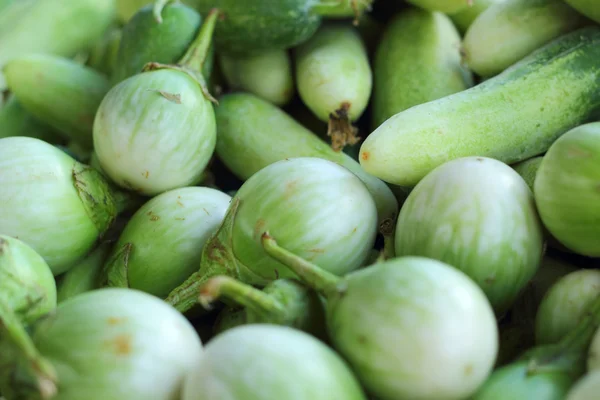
(320, 280)
(245, 295)
(12, 328)
(159, 5)
(198, 52)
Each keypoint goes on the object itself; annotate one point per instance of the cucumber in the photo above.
(254, 133)
(511, 117)
(418, 60)
(266, 74)
(250, 26)
(464, 18)
(334, 79)
(445, 6)
(144, 39)
(567, 189)
(528, 170)
(506, 32)
(589, 8)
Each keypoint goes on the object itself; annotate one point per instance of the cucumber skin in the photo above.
(249, 26)
(144, 39)
(511, 117)
(417, 60)
(589, 8)
(507, 32)
(567, 189)
(465, 17)
(528, 170)
(332, 68)
(254, 133)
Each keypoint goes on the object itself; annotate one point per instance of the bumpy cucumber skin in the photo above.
(511, 117)
(250, 138)
(449, 217)
(266, 74)
(528, 170)
(445, 6)
(257, 25)
(589, 8)
(418, 60)
(465, 17)
(507, 32)
(61, 27)
(145, 40)
(59, 92)
(567, 189)
(332, 69)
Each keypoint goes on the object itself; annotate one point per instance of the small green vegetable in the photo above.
(16, 121)
(528, 170)
(103, 56)
(586, 388)
(465, 17)
(566, 189)
(589, 8)
(445, 6)
(292, 365)
(59, 92)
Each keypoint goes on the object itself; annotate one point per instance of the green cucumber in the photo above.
(254, 133)
(418, 60)
(267, 74)
(589, 8)
(511, 117)
(250, 26)
(465, 17)
(145, 39)
(59, 92)
(528, 170)
(334, 79)
(567, 189)
(60, 27)
(506, 32)
(103, 56)
(445, 6)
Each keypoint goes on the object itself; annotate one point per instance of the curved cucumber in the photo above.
(266, 74)
(506, 32)
(465, 17)
(511, 117)
(417, 60)
(145, 39)
(250, 26)
(528, 170)
(567, 189)
(254, 133)
(445, 6)
(59, 92)
(334, 79)
(589, 8)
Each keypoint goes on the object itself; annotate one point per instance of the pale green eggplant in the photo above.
(528, 170)
(465, 17)
(59, 92)
(586, 388)
(103, 56)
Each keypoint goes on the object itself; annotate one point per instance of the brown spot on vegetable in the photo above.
(120, 345)
(578, 152)
(479, 159)
(180, 203)
(290, 188)
(365, 155)
(153, 217)
(340, 129)
(146, 174)
(362, 339)
(490, 280)
(320, 251)
(206, 211)
(179, 219)
(468, 370)
(259, 228)
(354, 230)
(112, 321)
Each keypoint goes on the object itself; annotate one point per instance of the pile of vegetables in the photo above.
(299, 199)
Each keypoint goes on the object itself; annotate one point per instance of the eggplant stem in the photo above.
(322, 281)
(198, 52)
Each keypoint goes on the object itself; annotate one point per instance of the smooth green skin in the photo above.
(166, 236)
(250, 26)
(528, 170)
(85, 275)
(266, 74)
(27, 285)
(593, 359)
(445, 6)
(127, 8)
(333, 215)
(60, 27)
(229, 318)
(56, 205)
(508, 31)
(145, 40)
(464, 18)
(550, 271)
(589, 8)
(278, 356)
(417, 60)
(150, 143)
(586, 388)
(249, 139)
(449, 217)
(59, 92)
(342, 8)
(566, 189)
(511, 117)
(565, 304)
(332, 69)
(103, 56)
(16, 121)
(107, 344)
(414, 328)
(513, 383)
